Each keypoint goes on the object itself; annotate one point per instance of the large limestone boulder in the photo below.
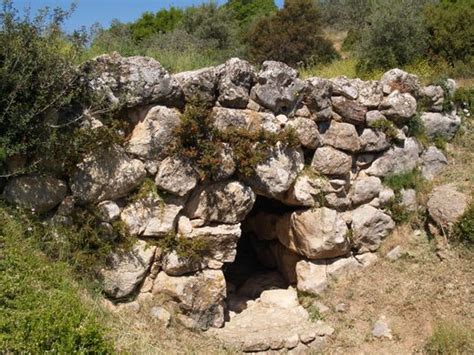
(236, 77)
(307, 190)
(433, 97)
(277, 88)
(350, 111)
(398, 107)
(311, 276)
(342, 86)
(317, 97)
(221, 241)
(41, 193)
(373, 141)
(330, 161)
(200, 296)
(433, 162)
(307, 132)
(151, 216)
(370, 92)
(126, 270)
(315, 233)
(446, 205)
(397, 159)
(342, 136)
(199, 86)
(225, 202)
(106, 174)
(152, 136)
(131, 81)
(369, 227)
(227, 118)
(440, 125)
(399, 80)
(274, 176)
(365, 189)
(176, 176)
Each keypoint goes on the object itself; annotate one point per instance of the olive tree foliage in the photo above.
(451, 30)
(293, 35)
(246, 12)
(345, 14)
(38, 77)
(163, 21)
(394, 35)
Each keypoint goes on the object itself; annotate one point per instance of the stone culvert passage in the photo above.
(289, 212)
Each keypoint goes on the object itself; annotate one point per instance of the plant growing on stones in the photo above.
(464, 228)
(405, 180)
(386, 127)
(192, 249)
(308, 302)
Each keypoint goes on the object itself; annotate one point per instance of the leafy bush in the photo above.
(200, 142)
(464, 228)
(405, 180)
(246, 12)
(450, 339)
(41, 310)
(38, 78)
(451, 34)
(300, 38)
(394, 35)
(386, 127)
(163, 21)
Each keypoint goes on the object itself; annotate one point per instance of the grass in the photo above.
(450, 338)
(308, 302)
(405, 180)
(41, 309)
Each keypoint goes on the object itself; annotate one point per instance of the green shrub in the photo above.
(398, 212)
(386, 127)
(464, 98)
(41, 310)
(300, 38)
(451, 34)
(308, 302)
(416, 128)
(38, 77)
(394, 35)
(451, 339)
(405, 180)
(464, 228)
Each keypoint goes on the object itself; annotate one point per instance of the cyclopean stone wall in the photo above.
(332, 184)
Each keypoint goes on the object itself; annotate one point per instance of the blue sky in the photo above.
(89, 12)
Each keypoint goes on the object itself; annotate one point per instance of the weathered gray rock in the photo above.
(373, 116)
(126, 270)
(274, 176)
(381, 329)
(373, 141)
(395, 253)
(277, 88)
(370, 226)
(106, 174)
(365, 189)
(235, 80)
(370, 92)
(41, 193)
(176, 175)
(433, 162)
(312, 277)
(315, 233)
(200, 296)
(307, 132)
(446, 205)
(398, 107)
(342, 136)
(337, 200)
(109, 211)
(441, 125)
(227, 164)
(344, 86)
(199, 85)
(330, 161)
(317, 98)
(399, 80)
(176, 265)
(225, 202)
(433, 97)
(152, 136)
(226, 118)
(161, 314)
(131, 81)
(307, 190)
(397, 159)
(408, 200)
(350, 111)
(151, 216)
(221, 241)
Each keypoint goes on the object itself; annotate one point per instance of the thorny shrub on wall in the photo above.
(200, 142)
